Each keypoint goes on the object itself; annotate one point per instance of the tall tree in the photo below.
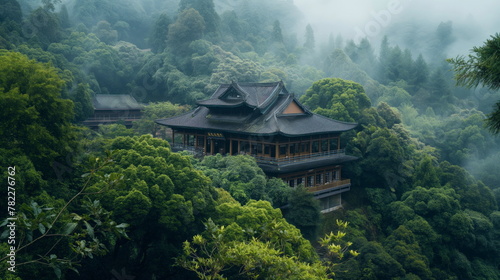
(35, 120)
(206, 8)
(482, 67)
(383, 61)
(188, 27)
(158, 38)
(421, 72)
(309, 43)
(277, 36)
(337, 98)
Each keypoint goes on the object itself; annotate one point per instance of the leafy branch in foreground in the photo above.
(481, 67)
(73, 235)
(336, 248)
(215, 255)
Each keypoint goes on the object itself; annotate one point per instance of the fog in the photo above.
(473, 21)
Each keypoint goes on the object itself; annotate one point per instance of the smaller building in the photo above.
(114, 108)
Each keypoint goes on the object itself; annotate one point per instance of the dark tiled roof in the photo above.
(271, 99)
(115, 102)
(253, 95)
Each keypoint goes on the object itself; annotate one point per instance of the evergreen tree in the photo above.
(158, 37)
(276, 36)
(206, 8)
(383, 61)
(64, 17)
(188, 27)
(232, 26)
(442, 39)
(482, 67)
(83, 103)
(35, 120)
(309, 36)
(366, 57)
(420, 72)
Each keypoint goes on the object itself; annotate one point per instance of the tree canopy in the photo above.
(36, 120)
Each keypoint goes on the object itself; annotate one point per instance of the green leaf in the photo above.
(69, 228)
(90, 229)
(122, 225)
(42, 228)
(57, 271)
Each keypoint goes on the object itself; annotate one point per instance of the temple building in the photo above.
(267, 122)
(114, 108)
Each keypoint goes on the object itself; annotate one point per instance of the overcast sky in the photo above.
(473, 20)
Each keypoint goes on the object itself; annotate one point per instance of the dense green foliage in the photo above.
(116, 203)
(244, 180)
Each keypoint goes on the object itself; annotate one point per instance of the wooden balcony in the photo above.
(299, 158)
(195, 151)
(335, 184)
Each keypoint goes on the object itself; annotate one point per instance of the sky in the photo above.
(473, 20)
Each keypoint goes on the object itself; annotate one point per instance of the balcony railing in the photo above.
(280, 161)
(301, 158)
(334, 184)
(195, 151)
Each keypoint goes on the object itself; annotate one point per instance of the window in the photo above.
(259, 148)
(334, 144)
(319, 179)
(331, 202)
(267, 149)
(200, 141)
(324, 145)
(315, 146)
(310, 181)
(300, 181)
(254, 148)
(283, 150)
(304, 147)
(244, 147)
(234, 147)
(190, 140)
(328, 177)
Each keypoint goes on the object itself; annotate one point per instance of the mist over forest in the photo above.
(116, 202)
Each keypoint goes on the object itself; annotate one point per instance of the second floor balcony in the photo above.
(286, 160)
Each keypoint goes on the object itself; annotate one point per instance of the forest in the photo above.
(117, 203)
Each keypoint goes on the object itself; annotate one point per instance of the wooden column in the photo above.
(173, 137)
(212, 146)
(230, 146)
(205, 143)
(338, 143)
